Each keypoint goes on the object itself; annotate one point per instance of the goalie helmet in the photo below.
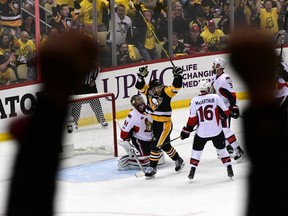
(204, 85)
(138, 102)
(219, 61)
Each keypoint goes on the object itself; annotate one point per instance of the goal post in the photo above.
(91, 125)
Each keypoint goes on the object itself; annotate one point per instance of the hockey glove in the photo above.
(185, 133)
(234, 111)
(177, 71)
(143, 72)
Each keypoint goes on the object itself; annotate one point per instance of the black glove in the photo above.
(143, 72)
(177, 71)
(234, 111)
(185, 133)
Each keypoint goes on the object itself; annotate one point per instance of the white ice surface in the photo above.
(211, 193)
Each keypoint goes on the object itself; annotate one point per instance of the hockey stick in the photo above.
(157, 39)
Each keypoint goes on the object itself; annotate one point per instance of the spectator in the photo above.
(242, 15)
(215, 6)
(123, 28)
(27, 52)
(265, 123)
(195, 43)
(129, 7)
(7, 49)
(10, 16)
(123, 57)
(178, 47)
(214, 38)
(63, 19)
(86, 15)
(268, 16)
(5, 70)
(190, 8)
(144, 33)
(281, 18)
(48, 4)
(29, 26)
(180, 24)
(200, 20)
(255, 18)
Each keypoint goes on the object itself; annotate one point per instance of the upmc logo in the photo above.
(123, 85)
(126, 82)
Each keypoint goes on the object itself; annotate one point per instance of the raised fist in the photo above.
(177, 71)
(143, 72)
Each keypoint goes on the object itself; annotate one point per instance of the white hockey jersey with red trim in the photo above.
(141, 123)
(224, 81)
(206, 109)
(282, 85)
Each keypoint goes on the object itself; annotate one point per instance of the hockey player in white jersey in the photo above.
(136, 133)
(223, 86)
(281, 92)
(206, 111)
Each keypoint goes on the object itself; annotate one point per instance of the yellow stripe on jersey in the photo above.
(171, 91)
(167, 127)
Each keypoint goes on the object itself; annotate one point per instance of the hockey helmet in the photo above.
(204, 85)
(138, 102)
(155, 83)
(219, 61)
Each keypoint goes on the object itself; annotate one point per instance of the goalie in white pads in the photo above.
(206, 111)
(137, 135)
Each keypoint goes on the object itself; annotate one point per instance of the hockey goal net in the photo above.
(90, 126)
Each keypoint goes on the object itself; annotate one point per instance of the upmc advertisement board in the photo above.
(19, 101)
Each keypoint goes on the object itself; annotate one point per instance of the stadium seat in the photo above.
(22, 72)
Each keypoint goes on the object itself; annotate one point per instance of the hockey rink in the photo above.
(88, 188)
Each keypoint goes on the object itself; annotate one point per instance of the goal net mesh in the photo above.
(90, 124)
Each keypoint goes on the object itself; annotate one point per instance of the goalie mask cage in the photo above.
(91, 124)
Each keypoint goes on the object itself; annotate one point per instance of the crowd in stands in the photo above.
(141, 28)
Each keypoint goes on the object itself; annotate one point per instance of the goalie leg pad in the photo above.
(129, 148)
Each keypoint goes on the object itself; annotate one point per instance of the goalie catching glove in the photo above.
(143, 72)
(234, 111)
(177, 71)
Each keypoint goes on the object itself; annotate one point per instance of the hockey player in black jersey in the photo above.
(159, 106)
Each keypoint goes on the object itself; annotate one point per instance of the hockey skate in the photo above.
(104, 124)
(192, 173)
(230, 171)
(179, 164)
(239, 155)
(230, 151)
(150, 172)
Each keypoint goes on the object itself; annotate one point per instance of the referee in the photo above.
(88, 86)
